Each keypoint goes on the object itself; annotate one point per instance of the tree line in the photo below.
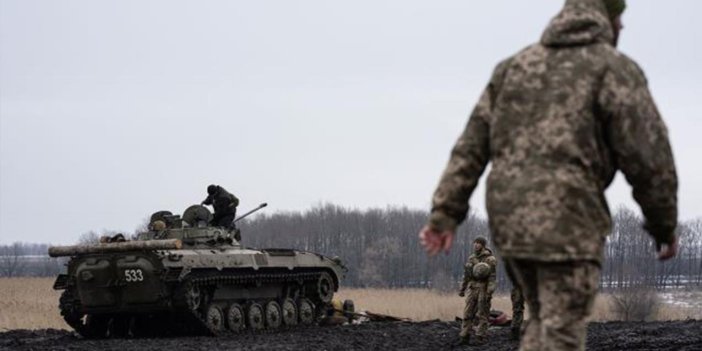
(23, 259)
(380, 248)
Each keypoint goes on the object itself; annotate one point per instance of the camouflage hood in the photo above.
(581, 22)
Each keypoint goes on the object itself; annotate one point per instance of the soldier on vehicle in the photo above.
(224, 205)
(479, 277)
(557, 120)
(158, 229)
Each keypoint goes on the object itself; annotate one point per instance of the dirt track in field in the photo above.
(680, 335)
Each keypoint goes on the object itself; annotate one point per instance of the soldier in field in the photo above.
(478, 285)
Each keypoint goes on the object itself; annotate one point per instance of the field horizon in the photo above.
(31, 303)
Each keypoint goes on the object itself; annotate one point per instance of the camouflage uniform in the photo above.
(478, 295)
(558, 120)
(517, 310)
(224, 205)
(517, 298)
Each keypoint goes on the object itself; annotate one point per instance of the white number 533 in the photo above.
(133, 275)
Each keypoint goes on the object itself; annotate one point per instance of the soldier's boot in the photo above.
(462, 341)
(463, 337)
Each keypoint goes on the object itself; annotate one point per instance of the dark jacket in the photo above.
(223, 202)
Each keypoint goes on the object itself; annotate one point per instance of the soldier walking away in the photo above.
(479, 277)
(557, 120)
(224, 205)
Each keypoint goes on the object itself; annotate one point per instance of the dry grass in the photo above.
(415, 304)
(418, 304)
(31, 303)
(667, 312)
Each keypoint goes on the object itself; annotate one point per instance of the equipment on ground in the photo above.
(481, 271)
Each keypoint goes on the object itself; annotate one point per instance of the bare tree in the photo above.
(443, 282)
(49, 267)
(380, 247)
(141, 228)
(11, 263)
(87, 238)
(92, 237)
(380, 262)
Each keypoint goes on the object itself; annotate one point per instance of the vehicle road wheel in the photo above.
(289, 312)
(305, 311)
(254, 317)
(193, 297)
(215, 319)
(235, 318)
(70, 310)
(273, 315)
(325, 288)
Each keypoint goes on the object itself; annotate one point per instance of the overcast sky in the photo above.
(111, 110)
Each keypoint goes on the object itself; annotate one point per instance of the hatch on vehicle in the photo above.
(279, 252)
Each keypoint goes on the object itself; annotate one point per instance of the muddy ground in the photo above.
(682, 335)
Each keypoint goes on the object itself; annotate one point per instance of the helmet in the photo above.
(349, 307)
(158, 225)
(481, 271)
(211, 189)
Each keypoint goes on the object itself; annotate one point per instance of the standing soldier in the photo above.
(224, 205)
(479, 279)
(558, 120)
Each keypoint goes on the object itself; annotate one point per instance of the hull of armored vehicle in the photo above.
(198, 286)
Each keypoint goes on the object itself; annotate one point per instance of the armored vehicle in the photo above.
(184, 276)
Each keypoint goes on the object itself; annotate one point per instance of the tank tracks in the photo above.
(195, 312)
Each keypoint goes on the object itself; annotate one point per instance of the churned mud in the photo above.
(434, 335)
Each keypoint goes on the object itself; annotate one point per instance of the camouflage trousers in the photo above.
(560, 296)
(517, 310)
(517, 298)
(477, 310)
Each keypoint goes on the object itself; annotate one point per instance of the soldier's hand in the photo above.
(434, 241)
(462, 294)
(668, 251)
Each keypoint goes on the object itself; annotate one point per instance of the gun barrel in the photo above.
(250, 212)
(62, 251)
